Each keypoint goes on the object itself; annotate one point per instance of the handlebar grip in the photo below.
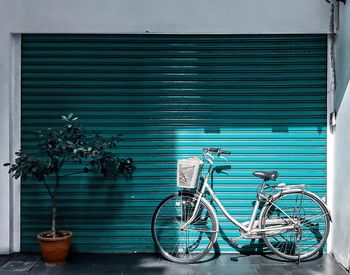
(215, 150)
(225, 153)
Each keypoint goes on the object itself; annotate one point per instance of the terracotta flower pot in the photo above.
(55, 250)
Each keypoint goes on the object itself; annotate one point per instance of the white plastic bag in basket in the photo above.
(188, 172)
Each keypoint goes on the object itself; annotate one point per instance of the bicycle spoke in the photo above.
(316, 217)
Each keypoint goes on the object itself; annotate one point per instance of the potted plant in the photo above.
(56, 148)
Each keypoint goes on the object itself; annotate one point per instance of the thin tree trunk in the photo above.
(53, 210)
(53, 226)
(53, 221)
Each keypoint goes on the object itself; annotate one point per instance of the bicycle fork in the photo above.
(199, 196)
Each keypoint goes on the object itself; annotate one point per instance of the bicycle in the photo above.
(294, 223)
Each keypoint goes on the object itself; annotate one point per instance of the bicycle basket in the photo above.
(188, 171)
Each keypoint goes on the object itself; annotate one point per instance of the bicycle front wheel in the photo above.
(188, 245)
(308, 221)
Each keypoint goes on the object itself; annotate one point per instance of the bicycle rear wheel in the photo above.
(309, 218)
(188, 245)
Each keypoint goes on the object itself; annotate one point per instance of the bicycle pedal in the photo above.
(234, 242)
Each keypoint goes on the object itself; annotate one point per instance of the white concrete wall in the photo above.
(343, 53)
(341, 187)
(341, 190)
(123, 16)
(164, 16)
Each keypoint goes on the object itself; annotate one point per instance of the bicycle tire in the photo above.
(195, 255)
(276, 247)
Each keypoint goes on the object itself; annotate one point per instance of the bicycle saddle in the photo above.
(273, 175)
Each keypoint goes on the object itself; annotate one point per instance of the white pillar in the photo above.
(10, 141)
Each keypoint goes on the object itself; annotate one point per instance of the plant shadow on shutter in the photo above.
(263, 97)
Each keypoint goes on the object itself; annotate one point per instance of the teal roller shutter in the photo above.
(261, 96)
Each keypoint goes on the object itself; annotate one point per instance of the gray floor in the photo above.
(152, 264)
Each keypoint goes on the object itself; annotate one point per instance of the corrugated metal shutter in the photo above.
(261, 96)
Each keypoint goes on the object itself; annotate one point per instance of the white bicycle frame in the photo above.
(249, 230)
